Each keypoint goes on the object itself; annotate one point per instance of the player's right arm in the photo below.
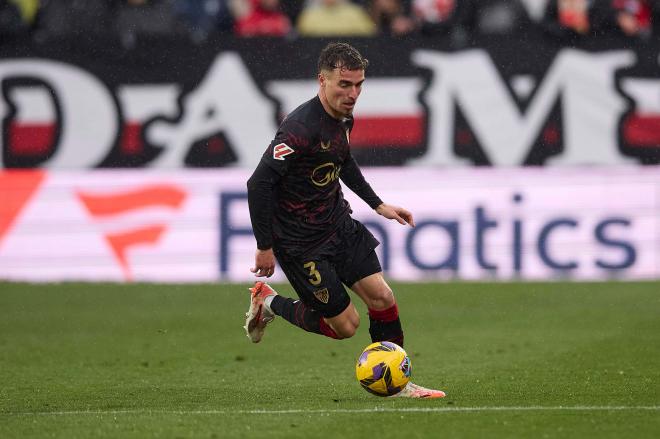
(260, 201)
(264, 263)
(274, 164)
(260, 188)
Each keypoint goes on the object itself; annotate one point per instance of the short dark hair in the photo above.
(341, 55)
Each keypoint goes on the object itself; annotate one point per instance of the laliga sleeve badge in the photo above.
(282, 150)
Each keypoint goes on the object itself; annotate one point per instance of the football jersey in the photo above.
(308, 153)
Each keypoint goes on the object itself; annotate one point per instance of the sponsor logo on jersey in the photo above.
(323, 295)
(325, 174)
(282, 150)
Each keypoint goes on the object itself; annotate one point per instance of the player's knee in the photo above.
(387, 296)
(382, 298)
(346, 331)
(345, 325)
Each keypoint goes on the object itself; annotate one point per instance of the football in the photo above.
(383, 368)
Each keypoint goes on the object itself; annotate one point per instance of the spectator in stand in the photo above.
(392, 17)
(634, 18)
(570, 21)
(321, 18)
(58, 18)
(28, 10)
(204, 17)
(497, 17)
(535, 9)
(263, 18)
(12, 23)
(136, 18)
(292, 9)
(445, 18)
(463, 19)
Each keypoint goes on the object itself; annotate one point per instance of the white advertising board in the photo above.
(473, 224)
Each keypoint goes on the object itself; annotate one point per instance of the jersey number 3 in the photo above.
(315, 278)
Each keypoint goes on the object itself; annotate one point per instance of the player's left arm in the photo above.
(353, 178)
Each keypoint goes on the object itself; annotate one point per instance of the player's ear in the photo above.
(322, 79)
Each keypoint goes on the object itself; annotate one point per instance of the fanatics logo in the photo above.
(322, 295)
(282, 150)
(128, 202)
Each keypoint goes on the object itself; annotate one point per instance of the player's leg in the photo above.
(362, 271)
(266, 303)
(324, 306)
(359, 267)
(384, 321)
(305, 317)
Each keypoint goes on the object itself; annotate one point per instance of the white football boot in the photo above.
(259, 314)
(414, 391)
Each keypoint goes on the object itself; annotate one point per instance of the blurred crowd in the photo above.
(569, 20)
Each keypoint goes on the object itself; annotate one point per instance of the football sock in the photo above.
(384, 325)
(295, 312)
(268, 300)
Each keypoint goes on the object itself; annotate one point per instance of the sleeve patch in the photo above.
(282, 150)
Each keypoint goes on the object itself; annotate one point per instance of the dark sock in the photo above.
(384, 325)
(295, 312)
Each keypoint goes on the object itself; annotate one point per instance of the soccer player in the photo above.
(299, 216)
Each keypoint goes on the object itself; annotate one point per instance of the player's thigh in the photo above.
(317, 284)
(356, 258)
(365, 278)
(374, 291)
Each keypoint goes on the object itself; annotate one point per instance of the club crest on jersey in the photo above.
(282, 150)
(322, 295)
(326, 145)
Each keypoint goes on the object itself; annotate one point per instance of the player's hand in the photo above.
(264, 263)
(396, 213)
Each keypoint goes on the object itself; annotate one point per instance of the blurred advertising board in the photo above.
(168, 104)
(472, 223)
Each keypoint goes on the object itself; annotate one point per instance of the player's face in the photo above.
(340, 89)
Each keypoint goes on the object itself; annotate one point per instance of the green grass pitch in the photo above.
(517, 360)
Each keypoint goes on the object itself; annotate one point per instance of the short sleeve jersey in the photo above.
(308, 152)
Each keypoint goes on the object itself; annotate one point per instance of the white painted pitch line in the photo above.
(332, 411)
